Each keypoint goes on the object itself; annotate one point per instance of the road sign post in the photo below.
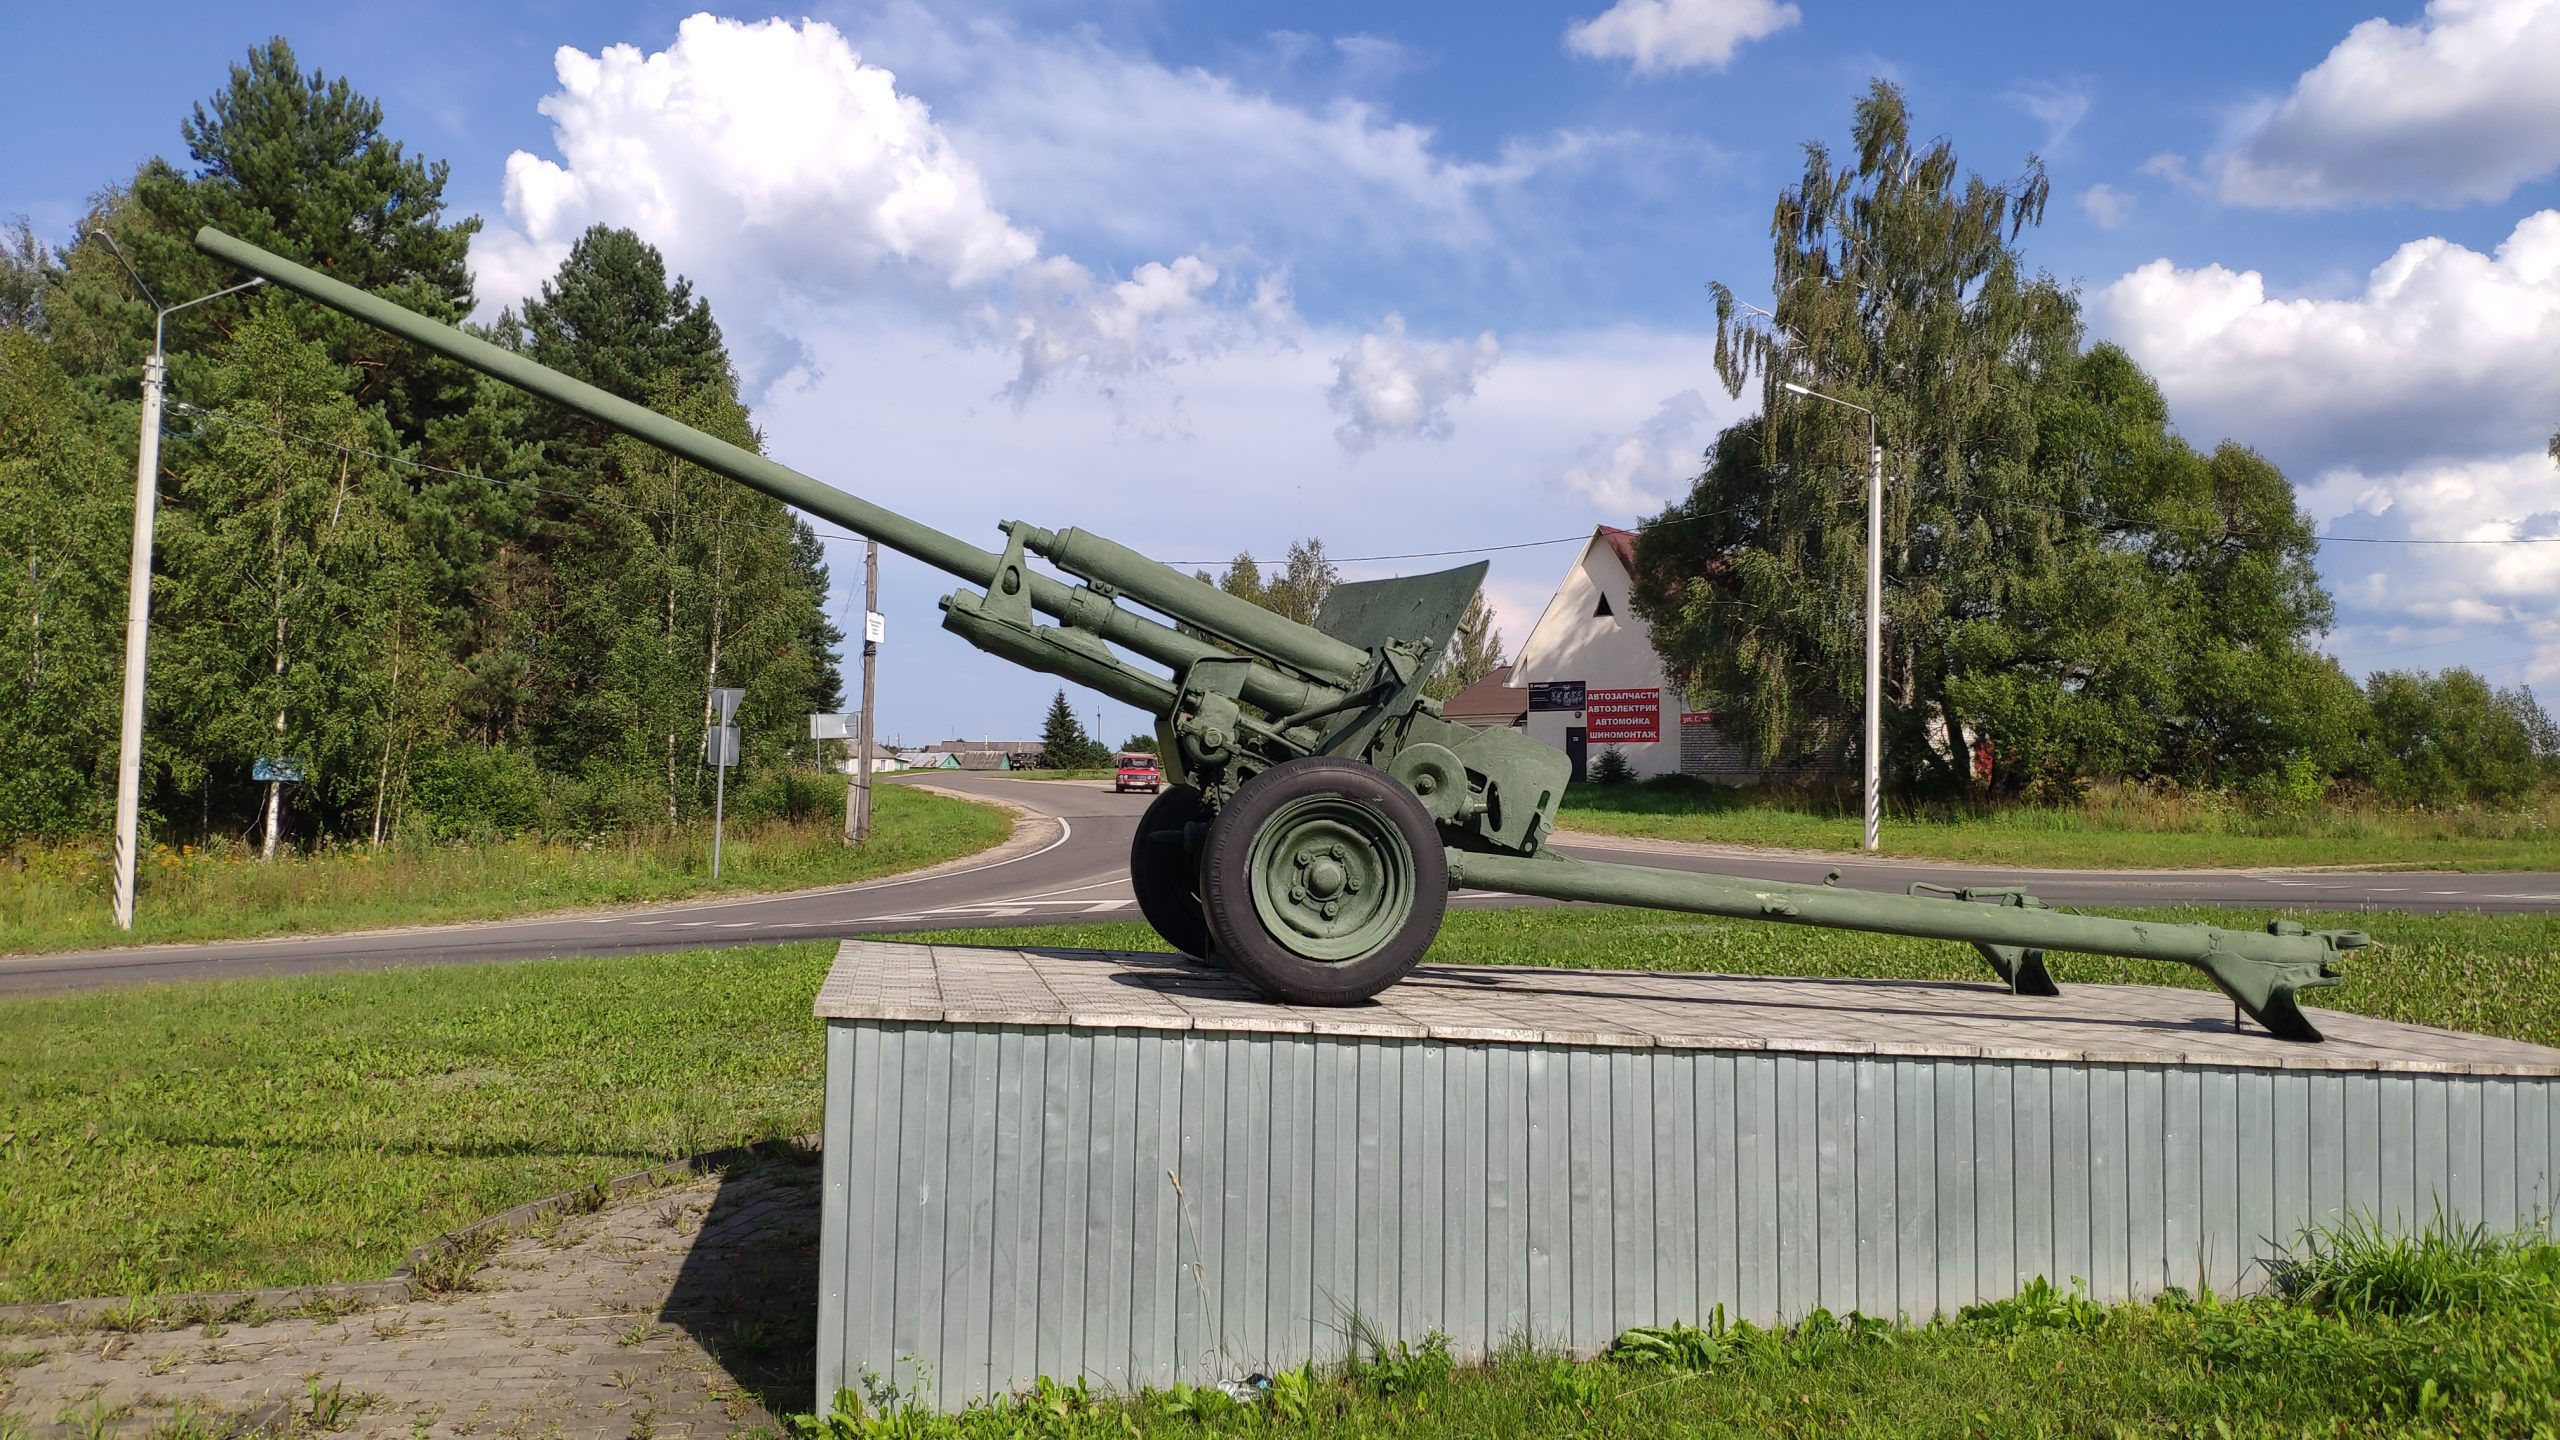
(720, 742)
(874, 629)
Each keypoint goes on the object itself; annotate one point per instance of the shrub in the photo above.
(2448, 739)
(1612, 768)
(476, 792)
(789, 795)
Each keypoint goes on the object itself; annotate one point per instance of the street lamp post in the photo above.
(137, 622)
(1875, 605)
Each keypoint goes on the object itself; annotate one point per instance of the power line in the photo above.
(1581, 537)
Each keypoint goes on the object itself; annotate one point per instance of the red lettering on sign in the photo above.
(1624, 717)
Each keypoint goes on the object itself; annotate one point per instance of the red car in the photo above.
(1137, 771)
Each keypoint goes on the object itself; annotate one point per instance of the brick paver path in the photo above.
(686, 1311)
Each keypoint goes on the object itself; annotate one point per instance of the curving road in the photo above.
(1078, 871)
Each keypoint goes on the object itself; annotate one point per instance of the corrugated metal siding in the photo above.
(1002, 1202)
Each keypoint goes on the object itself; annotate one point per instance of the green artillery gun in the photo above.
(1328, 808)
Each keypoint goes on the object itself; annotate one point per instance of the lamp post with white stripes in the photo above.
(137, 623)
(1875, 605)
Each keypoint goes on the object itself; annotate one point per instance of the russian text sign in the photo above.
(1624, 717)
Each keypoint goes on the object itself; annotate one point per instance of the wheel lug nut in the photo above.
(1298, 894)
(1332, 908)
(1352, 885)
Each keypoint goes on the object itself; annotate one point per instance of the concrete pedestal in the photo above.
(1128, 1168)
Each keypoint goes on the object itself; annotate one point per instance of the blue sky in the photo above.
(1219, 276)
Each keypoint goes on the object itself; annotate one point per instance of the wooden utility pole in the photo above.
(870, 694)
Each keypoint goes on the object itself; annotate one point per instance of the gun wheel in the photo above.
(1165, 872)
(1324, 881)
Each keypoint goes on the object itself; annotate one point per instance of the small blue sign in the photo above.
(276, 768)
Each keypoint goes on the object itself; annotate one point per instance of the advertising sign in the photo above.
(834, 727)
(875, 627)
(1697, 717)
(1555, 694)
(1624, 717)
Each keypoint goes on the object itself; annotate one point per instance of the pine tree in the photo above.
(662, 580)
(1064, 745)
(299, 164)
(27, 271)
(451, 602)
(820, 636)
(612, 317)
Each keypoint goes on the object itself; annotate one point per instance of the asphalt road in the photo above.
(1081, 874)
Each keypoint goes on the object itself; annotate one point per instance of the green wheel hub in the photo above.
(1333, 878)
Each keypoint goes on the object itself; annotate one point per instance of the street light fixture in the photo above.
(1875, 603)
(137, 623)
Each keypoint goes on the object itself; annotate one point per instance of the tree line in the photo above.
(1297, 590)
(2072, 590)
(1306, 576)
(449, 608)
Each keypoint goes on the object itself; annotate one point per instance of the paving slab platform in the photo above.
(1516, 1005)
(1129, 1168)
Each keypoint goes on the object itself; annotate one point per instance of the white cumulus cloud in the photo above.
(2413, 417)
(779, 170)
(2447, 352)
(2460, 594)
(2461, 105)
(764, 147)
(1160, 316)
(1660, 35)
(1388, 385)
(1650, 466)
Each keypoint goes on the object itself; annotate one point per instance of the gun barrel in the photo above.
(1080, 552)
(933, 547)
(1160, 643)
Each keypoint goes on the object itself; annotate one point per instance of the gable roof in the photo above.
(1623, 542)
(1620, 543)
(1493, 700)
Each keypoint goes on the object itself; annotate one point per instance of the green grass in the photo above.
(57, 899)
(223, 1135)
(248, 1133)
(2112, 829)
(2046, 1363)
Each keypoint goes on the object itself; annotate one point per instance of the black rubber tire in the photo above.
(1265, 960)
(1162, 873)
